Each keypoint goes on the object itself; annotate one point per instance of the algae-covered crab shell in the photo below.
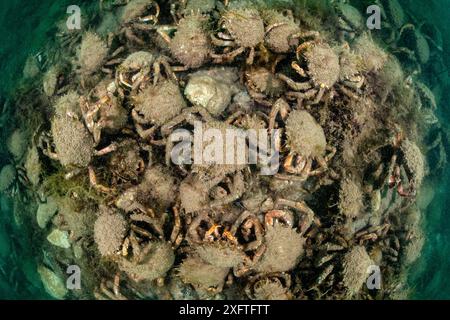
(200, 274)
(159, 103)
(73, 143)
(279, 31)
(245, 26)
(305, 136)
(355, 265)
(373, 57)
(220, 254)
(323, 64)
(109, 232)
(201, 6)
(137, 60)
(263, 80)
(50, 80)
(284, 248)
(270, 289)
(92, 54)
(350, 198)
(155, 264)
(414, 162)
(134, 9)
(191, 44)
(161, 185)
(126, 162)
(68, 105)
(349, 65)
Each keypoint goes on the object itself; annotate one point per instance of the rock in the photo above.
(59, 238)
(52, 283)
(45, 212)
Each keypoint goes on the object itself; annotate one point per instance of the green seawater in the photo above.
(26, 25)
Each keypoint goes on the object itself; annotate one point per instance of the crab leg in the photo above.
(219, 58)
(111, 148)
(176, 227)
(95, 184)
(297, 86)
(221, 42)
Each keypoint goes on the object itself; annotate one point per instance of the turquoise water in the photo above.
(25, 26)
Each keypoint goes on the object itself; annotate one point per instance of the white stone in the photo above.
(45, 212)
(52, 283)
(59, 238)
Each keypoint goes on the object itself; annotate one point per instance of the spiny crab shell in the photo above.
(414, 161)
(350, 198)
(92, 53)
(279, 32)
(155, 264)
(74, 144)
(220, 254)
(159, 103)
(109, 232)
(195, 271)
(50, 80)
(137, 60)
(323, 64)
(355, 265)
(161, 184)
(284, 249)
(191, 44)
(305, 136)
(264, 81)
(270, 289)
(245, 26)
(202, 6)
(373, 57)
(134, 10)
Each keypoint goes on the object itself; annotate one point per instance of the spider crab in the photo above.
(318, 64)
(243, 29)
(407, 164)
(307, 144)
